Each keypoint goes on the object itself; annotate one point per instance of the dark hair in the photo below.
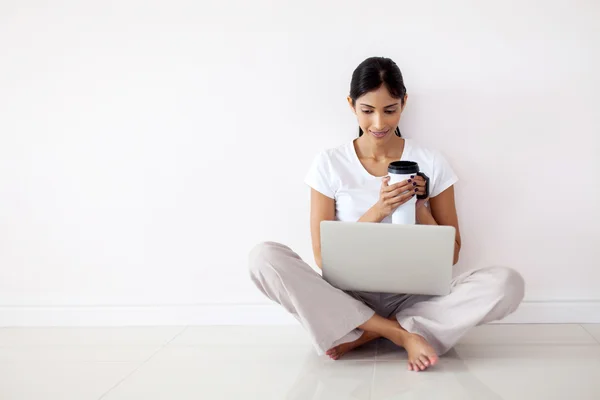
(371, 74)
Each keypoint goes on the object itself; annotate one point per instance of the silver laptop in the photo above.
(388, 258)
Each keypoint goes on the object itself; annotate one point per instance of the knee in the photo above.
(264, 254)
(508, 283)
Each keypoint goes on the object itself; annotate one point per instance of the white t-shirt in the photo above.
(338, 173)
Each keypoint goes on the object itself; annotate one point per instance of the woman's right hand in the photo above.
(393, 196)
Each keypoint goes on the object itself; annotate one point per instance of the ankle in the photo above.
(384, 327)
(397, 332)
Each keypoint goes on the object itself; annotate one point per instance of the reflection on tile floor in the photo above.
(278, 362)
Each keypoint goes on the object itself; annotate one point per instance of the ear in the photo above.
(404, 102)
(350, 104)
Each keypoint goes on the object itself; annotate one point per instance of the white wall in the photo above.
(146, 147)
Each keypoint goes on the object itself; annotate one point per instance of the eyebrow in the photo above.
(391, 105)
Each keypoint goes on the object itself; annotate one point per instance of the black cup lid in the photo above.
(403, 167)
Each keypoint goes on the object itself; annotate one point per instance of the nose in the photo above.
(378, 123)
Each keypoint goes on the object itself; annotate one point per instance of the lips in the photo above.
(379, 134)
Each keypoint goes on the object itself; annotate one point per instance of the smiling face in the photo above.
(378, 113)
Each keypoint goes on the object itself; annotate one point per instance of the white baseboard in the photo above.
(257, 314)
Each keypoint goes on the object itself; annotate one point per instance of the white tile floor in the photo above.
(277, 362)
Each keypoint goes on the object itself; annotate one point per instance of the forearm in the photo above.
(424, 217)
(372, 215)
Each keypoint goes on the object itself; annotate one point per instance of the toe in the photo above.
(410, 367)
(419, 364)
(424, 360)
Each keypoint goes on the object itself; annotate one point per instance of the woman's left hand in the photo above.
(419, 183)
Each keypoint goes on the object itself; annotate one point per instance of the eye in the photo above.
(367, 111)
(390, 111)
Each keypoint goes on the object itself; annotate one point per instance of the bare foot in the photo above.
(420, 353)
(341, 349)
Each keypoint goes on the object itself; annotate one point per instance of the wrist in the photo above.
(378, 214)
(424, 216)
(374, 214)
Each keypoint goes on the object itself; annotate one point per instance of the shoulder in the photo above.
(433, 163)
(328, 169)
(335, 156)
(337, 152)
(427, 156)
(417, 149)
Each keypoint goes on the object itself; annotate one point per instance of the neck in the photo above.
(390, 149)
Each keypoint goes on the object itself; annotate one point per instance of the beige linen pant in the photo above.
(331, 316)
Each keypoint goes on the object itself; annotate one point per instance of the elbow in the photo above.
(456, 253)
(317, 257)
(319, 262)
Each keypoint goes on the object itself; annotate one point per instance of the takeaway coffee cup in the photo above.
(398, 172)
